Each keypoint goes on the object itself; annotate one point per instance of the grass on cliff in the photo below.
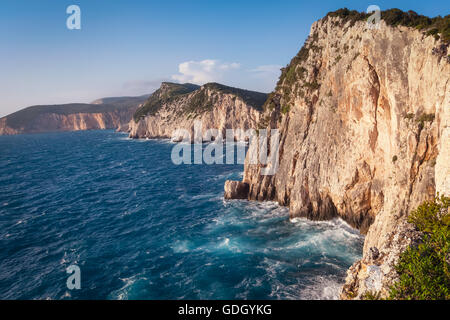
(199, 102)
(25, 117)
(437, 26)
(161, 96)
(424, 270)
(252, 98)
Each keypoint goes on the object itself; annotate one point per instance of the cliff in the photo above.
(106, 113)
(364, 117)
(177, 106)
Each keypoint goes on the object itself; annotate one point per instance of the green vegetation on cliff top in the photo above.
(122, 101)
(396, 17)
(252, 98)
(23, 118)
(166, 93)
(437, 26)
(199, 101)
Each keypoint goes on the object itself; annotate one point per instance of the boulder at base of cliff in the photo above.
(236, 190)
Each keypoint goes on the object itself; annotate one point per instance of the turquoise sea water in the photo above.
(140, 227)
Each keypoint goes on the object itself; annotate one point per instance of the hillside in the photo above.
(122, 101)
(106, 113)
(177, 106)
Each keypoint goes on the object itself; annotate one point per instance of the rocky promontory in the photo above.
(177, 106)
(106, 113)
(364, 115)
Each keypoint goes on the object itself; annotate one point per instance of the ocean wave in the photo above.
(140, 227)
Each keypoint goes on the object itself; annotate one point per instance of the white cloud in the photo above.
(201, 72)
(261, 78)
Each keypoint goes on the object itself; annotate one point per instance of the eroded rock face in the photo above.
(365, 137)
(236, 190)
(219, 111)
(50, 122)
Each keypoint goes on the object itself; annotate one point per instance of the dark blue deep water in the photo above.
(140, 227)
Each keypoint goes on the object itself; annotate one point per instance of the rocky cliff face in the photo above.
(50, 122)
(364, 118)
(107, 113)
(214, 105)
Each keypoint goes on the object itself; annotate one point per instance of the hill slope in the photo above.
(177, 106)
(106, 113)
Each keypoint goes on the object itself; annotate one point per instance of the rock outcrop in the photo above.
(364, 117)
(106, 113)
(178, 106)
(236, 190)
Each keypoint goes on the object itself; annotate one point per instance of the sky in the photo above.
(128, 47)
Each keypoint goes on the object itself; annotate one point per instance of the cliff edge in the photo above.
(364, 117)
(177, 106)
(105, 113)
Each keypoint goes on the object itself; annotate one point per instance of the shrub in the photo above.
(424, 270)
(165, 94)
(285, 109)
(396, 17)
(394, 158)
(288, 73)
(301, 71)
(432, 32)
(409, 116)
(252, 98)
(312, 85)
(348, 15)
(426, 117)
(369, 295)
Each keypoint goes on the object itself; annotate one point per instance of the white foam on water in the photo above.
(322, 288)
(322, 239)
(226, 244)
(181, 246)
(204, 196)
(336, 227)
(123, 292)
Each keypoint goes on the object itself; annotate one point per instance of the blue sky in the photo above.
(127, 47)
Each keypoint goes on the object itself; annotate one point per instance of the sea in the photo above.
(138, 226)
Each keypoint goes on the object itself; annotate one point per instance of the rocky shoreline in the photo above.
(106, 113)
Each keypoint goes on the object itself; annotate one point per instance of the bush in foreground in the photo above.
(424, 270)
